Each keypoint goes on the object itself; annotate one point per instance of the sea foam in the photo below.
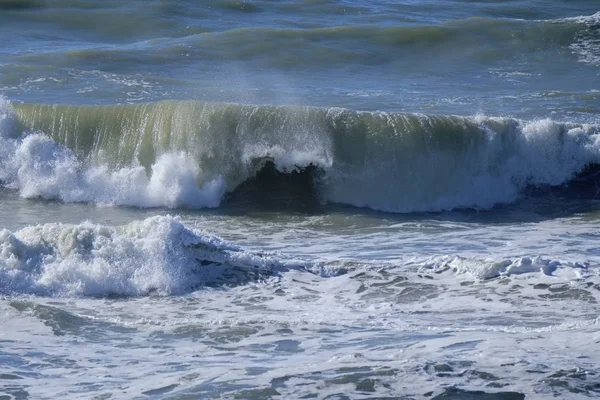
(155, 256)
(161, 256)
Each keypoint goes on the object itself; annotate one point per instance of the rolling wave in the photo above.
(194, 154)
(479, 39)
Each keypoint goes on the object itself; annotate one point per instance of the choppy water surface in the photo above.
(299, 199)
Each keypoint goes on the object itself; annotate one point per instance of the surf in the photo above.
(195, 154)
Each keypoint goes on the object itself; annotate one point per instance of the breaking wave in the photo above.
(194, 154)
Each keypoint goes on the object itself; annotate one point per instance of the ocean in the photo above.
(328, 199)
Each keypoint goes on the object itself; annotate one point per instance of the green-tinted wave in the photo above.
(390, 161)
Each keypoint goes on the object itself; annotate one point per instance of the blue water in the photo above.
(299, 199)
(492, 58)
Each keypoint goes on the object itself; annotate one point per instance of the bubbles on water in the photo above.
(155, 256)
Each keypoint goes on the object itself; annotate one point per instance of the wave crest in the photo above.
(190, 154)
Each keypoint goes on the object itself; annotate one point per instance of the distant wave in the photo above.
(192, 154)
(479, 39)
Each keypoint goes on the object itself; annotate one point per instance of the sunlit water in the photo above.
(276, 200)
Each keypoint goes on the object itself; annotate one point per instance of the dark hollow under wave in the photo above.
(584, 186)
(301, 191)
(272, 190)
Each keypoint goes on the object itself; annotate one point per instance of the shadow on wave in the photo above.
(585, 186)
(19, 4)
(269, 189)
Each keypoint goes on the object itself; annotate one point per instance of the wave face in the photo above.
(189, 154)
(156, 256)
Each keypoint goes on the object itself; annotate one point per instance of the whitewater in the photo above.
(299, 199)
(190, 154)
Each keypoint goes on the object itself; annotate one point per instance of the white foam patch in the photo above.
(286, 160)
(158, 255)
(552, 153)
(162, 256)
(534, 266)
(584, 19)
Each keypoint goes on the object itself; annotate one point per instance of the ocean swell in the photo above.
(191, 154)
(477, 39)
